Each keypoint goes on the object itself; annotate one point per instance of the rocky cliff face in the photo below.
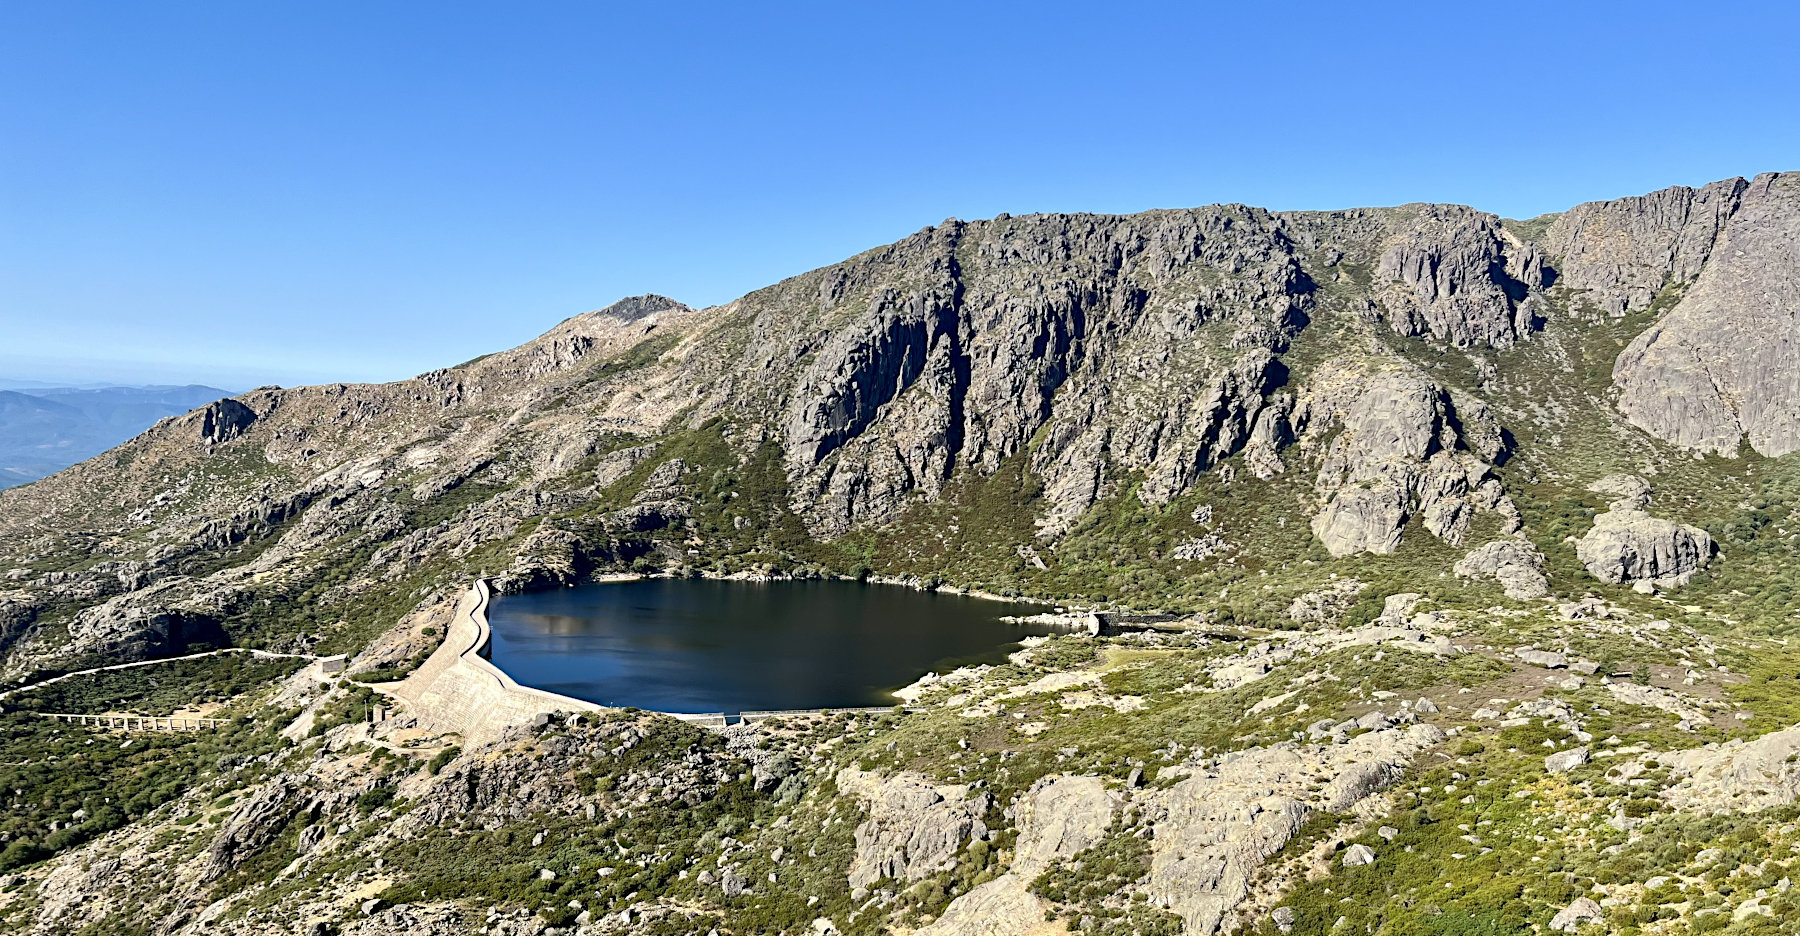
(1148, 357)
(1723, 366)
(1618, 256)
(1401, 451)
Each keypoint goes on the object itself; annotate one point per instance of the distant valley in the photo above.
(45, 428)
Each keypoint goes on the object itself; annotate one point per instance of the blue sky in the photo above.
(246, 193)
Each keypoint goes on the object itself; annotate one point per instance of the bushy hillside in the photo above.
(1435, 495)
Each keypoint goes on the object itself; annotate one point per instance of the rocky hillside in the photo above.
(1335, 444)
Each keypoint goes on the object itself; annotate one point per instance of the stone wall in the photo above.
(458, 689)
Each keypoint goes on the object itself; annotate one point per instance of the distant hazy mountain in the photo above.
(46, 429)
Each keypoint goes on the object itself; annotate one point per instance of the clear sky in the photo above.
(245, 193)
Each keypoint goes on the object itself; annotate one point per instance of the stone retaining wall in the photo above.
(458, 689)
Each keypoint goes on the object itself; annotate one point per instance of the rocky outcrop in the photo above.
(915, 828)
(1325, 606)
(1456, 276)
(140, 626)
(1402, 452)
(1059, 818)
(1221, 824)
(1514, 563)
(1627, 544)
(1737, 776)
(1062, 817)
(1723, 366)
(221, 421)
(254, 825)
(530, 770)
(1617, 256)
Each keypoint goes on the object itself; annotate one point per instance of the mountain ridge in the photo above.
(1138, 351)
(1470, 556)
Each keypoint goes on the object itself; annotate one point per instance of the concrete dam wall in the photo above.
(458, 689)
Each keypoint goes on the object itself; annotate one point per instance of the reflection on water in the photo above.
(706, 646)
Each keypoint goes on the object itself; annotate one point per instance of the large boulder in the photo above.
(1514, 563)
(1565, 761)
(1584, 910)
(1629, 545)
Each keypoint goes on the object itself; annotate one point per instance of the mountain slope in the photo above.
(1479, 536)
(1371, 369)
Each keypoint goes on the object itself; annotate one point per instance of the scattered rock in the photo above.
(1514, 563)
(1325, 606)
(1564, 761)
(1583, 911)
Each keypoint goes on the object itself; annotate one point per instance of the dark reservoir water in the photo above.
(675, 645)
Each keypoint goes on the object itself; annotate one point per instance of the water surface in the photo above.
(676, 645)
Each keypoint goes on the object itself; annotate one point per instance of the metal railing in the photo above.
(140, 722)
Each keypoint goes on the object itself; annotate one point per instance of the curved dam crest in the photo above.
(458, 689)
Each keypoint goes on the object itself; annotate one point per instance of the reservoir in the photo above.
(686, 645)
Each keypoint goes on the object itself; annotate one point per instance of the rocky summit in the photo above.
(1434, 572)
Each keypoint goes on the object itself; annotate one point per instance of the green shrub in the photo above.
(442, 759)
(374, 799)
